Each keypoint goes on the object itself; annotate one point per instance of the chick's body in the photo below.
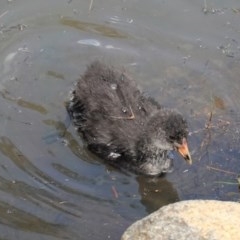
(121, 125)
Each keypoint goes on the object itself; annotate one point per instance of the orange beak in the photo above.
(183, 150)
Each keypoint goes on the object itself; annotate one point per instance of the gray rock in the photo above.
(192, 220)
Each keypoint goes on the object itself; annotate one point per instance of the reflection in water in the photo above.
(62, 132)
(90, 42)
(55, 75)
(92, 27)
(21, 220)
(13, 153)
(8, 149)
(37, 196)
(72, 174)
(52, 208)
(156, 192)
(219, 103)
(169, 61)
(23, 103)
(69, 140)
(6, 29)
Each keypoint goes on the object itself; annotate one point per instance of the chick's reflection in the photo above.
(156, 192)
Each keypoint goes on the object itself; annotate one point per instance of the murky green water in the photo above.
(185, 54)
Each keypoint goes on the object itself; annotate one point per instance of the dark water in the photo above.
(184, 53)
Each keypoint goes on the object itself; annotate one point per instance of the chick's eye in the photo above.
(171, 138)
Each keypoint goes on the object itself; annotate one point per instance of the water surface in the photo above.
(186, 54)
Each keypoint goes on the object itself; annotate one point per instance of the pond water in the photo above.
(186, 54)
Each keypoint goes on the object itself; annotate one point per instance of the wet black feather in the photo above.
(100, 107)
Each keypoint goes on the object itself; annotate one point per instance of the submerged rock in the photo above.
(192, 220)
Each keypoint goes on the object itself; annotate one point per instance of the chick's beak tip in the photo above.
(184, 152)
